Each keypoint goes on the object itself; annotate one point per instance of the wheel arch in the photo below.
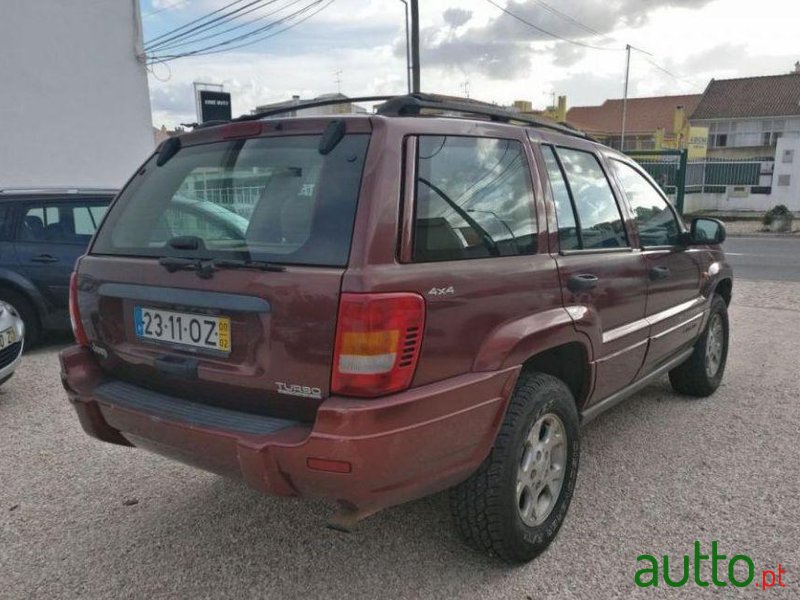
(568, 362)
(725, 289)
(15, 282)
(547, 342)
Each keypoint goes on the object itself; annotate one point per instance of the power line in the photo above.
(154, 43)
(196, 40)
(557, 12)
(190, 23)
(550, 33)
(153, 13)
(256, 31)
(225, 46)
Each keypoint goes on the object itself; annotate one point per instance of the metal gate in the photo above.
(668, 168)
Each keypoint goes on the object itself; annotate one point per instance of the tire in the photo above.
(27, 311)
(487, 507)
(696, 377)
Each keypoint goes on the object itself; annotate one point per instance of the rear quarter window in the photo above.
(474, 199)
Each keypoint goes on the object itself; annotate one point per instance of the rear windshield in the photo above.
(273, 199)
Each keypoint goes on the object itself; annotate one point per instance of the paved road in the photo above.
(657, 473)
(764, 258)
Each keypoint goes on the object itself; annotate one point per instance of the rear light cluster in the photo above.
(74, 313)
(378, 338)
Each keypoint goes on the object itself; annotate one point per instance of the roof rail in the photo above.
(302, 106)
(58, 190)
(413, 104)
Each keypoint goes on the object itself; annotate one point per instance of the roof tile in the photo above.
(644, 115)
(767, 96)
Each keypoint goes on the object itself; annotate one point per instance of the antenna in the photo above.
(465, 87)
(338, 81)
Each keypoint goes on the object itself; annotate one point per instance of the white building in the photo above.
(752, 121)
(76, 106)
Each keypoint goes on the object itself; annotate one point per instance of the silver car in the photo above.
(12, 338)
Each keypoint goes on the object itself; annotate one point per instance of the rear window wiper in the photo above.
(205, 268)
(247, 264)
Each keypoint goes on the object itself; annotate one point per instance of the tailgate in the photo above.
(277, 359)
(270, 220)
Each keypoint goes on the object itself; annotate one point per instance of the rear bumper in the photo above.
(399, 448)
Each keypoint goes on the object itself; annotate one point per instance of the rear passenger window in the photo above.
(599, 218)
(61, 224)
(473, 199)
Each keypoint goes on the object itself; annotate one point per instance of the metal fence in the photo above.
(241, 200)
(678, 176)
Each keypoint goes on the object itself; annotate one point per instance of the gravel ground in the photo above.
(79, 518)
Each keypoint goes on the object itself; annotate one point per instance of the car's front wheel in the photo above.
(515, 503)
(701, 374)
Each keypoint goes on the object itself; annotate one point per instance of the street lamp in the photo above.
(408, 51)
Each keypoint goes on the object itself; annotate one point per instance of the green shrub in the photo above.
(776, 212)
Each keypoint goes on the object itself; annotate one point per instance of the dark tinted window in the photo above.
(72, 223)
(567, 228)
(655, 221)
(5, 222)
(600, 221)
(474, 199)
(275, 199)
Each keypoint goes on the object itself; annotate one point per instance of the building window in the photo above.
(719, 140)
(788, 156)
(784, 180)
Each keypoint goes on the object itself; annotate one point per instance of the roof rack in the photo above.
(312, 104)
(412, 105)
(58, 190)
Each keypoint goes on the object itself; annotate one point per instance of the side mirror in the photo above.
(706, 232)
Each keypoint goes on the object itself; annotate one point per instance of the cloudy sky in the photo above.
(362, 44)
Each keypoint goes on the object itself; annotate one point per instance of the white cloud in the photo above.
(502, 59)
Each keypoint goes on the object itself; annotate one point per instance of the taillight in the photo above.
(75, 314)
(378, 337)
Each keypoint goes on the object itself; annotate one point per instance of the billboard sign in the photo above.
(214, 105)
(697, 143)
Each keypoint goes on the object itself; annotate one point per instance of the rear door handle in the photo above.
(582, 283)
(657, 273)
(44, 258)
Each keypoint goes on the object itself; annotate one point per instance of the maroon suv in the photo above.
(370, 309)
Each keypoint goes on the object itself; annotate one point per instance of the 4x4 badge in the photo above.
(441, 291)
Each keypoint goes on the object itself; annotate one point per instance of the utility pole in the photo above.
(415, 87)
(408, 50)
(625, 95)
